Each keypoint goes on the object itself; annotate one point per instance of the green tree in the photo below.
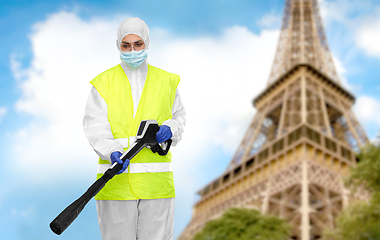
(244, 224)
(361, 219)
(367, 171)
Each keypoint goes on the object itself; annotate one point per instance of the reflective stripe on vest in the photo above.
(151, 175)
(125, 142)
(141, 167)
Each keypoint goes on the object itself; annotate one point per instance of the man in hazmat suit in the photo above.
(138, 203)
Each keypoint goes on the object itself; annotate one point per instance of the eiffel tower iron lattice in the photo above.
(301, 141)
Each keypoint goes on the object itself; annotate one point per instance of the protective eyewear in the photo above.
(128, 46)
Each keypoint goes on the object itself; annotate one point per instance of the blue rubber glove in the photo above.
(163, 134)
(115, 157)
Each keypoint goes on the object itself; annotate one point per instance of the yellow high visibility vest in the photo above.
(149, 175)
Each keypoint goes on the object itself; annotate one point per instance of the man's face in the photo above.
(132, 41)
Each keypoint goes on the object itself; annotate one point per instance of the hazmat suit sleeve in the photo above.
(97, 128)
(178, 122)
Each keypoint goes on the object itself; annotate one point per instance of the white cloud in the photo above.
(3, 111)
(341, 71)
(67, 53)
(342, 11)
(334, 10)
(368, 35)
(24, 213)
(270, 20)
(361, 18)
(338, 65)
(366, 109)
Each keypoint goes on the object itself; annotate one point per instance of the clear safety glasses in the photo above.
(129, 46)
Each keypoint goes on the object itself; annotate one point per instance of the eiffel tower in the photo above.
(301, 141)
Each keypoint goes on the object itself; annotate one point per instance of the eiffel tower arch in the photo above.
(299, 144)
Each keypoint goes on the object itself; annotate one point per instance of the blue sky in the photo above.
(222, 50)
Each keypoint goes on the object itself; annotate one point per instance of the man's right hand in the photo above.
(115, 157)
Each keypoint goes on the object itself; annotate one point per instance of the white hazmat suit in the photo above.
(141, 219)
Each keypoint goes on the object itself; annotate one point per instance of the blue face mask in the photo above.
(134, 59)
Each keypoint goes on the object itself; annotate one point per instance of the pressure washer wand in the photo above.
(146, 137)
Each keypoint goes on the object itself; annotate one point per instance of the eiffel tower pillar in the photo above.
(305, 210)
(300, 143)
